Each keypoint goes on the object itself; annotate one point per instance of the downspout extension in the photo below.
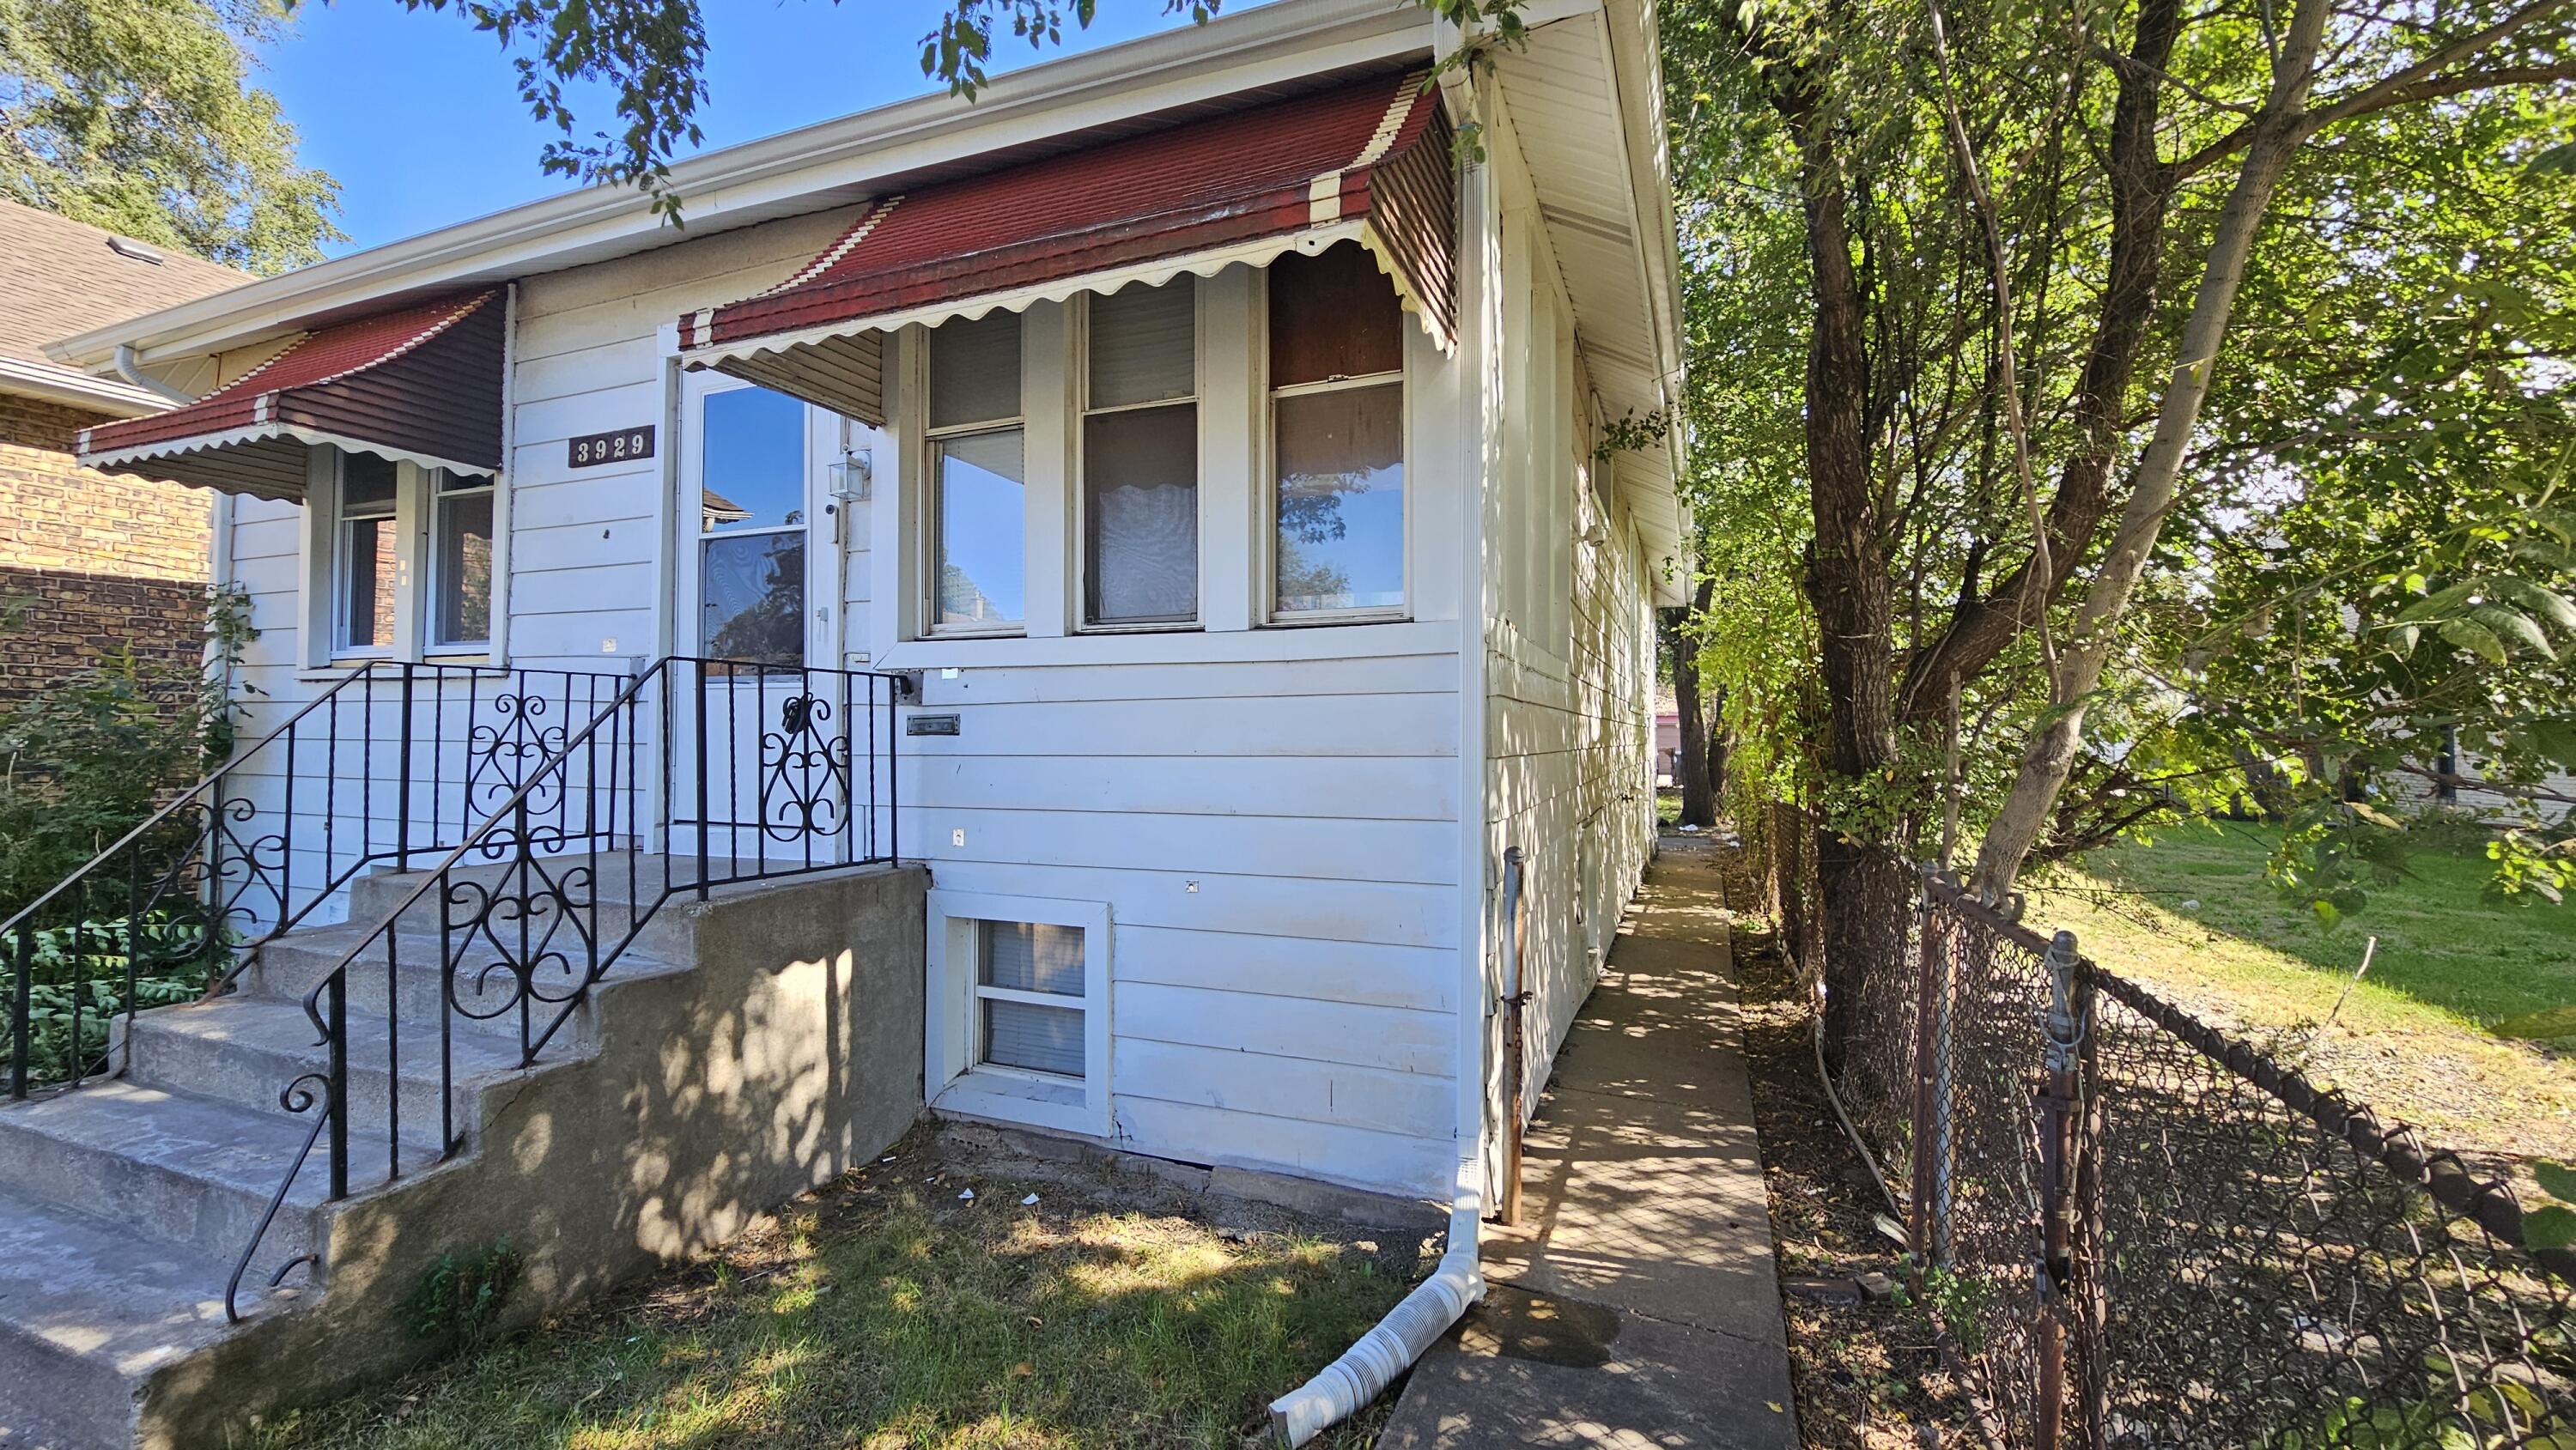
(1390, 1348)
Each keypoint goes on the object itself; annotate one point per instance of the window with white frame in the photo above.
(1018, 1009)
(404, 560)
(1029, 997)
(1337, 513)
(460, 560)
(977, 479)
(1140, 457)
(366, 556)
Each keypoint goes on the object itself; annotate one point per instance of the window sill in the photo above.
(1012, 1098)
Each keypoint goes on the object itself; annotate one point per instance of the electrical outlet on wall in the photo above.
(957, 837)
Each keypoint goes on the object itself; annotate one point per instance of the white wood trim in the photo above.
(953, 1080)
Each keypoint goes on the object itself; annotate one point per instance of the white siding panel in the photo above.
(1365, 973)
(1421, 852)
(1285, 1087)
(1391, 1038)
(1387, 1162)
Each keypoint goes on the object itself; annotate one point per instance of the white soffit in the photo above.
(1590, 133)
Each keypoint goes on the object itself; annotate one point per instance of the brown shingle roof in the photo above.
(61, 277)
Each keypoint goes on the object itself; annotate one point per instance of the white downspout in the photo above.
(1416, 1323)
(132, 372)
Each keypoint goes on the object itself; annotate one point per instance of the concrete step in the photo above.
(485, 996)
(87, 1312)
(246, 1050)
(189, 1172)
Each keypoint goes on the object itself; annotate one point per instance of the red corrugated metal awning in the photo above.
(422, 383)
(1368, 160)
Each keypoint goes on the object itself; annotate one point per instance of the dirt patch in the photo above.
(1867, 1374)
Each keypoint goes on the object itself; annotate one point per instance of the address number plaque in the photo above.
(621, 445)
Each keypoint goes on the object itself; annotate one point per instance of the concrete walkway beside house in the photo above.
(1637, 1303)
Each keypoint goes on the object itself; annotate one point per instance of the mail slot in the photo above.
(930, 725)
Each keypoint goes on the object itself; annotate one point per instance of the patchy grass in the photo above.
(2193, 916)
(887, 1312)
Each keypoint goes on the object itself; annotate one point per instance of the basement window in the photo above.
(1018, 1009)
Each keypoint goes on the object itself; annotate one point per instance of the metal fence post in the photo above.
(1930, 998)
(2058, 1107)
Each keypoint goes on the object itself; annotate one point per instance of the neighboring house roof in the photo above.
(65, 277)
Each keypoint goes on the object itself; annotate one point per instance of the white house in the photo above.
(1207, 434)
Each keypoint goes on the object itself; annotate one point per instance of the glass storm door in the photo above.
(757, 733)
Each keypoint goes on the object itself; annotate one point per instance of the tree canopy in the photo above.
(2145, 406)
(138, 116)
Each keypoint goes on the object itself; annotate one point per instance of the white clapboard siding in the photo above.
(1333, 1152)
(1321, 1092)
(1389, 788)
(1409, 725)
(1364, 973)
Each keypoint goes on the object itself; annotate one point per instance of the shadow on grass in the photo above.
(890, 1313)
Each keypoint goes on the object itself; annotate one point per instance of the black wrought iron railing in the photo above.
(696, 774)
(393, 762)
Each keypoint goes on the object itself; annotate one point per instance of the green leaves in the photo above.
(138, 116)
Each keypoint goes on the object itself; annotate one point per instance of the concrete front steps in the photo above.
(724, 1064)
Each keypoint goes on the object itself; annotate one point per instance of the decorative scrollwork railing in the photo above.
(695, 774)
(393, 762)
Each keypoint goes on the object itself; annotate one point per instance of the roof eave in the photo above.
(48, 382)
(827, 162)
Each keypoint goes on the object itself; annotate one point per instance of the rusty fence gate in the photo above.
(2133, 1230)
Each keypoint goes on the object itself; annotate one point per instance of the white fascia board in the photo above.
(45, 381)
(813, 168)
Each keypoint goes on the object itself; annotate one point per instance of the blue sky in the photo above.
(415, 112)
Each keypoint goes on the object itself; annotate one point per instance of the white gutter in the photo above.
(28, 378)
(814, 168)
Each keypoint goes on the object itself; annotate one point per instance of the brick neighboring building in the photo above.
(90, 563)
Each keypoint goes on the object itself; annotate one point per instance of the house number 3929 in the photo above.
(620, 446)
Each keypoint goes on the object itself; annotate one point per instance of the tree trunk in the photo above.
(1847, 580)
(1691, 760)
(2050, 757)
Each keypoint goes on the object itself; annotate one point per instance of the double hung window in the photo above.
(1336, 437)
(1140, 457)
(978, 478)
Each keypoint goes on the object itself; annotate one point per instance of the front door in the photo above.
(760, 714)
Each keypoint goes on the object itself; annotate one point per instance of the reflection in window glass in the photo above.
(366, 547)
(751, 599)
(978, 486)
(753, 443)
(464, 567)
(751, 580)
(1340, 542)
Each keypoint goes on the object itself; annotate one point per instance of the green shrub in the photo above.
(459, 1299)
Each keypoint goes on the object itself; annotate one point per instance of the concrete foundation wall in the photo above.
(706, 1097)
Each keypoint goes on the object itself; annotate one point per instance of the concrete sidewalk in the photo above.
(1637, 1304)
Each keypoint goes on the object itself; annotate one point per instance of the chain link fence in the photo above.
(2133, 1230)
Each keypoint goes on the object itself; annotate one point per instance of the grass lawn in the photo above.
(888, 1312)
(2192, 915)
